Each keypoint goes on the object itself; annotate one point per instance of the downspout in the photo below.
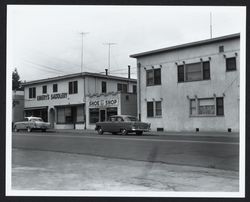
(139, 90)
(85, 108)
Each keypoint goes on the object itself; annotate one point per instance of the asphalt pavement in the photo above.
(204, 151)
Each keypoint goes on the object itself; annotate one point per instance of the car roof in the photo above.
(31, 117)
(122, 116)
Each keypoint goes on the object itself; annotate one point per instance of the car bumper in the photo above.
(140, 130)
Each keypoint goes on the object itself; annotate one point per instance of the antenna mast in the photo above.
(109, 44)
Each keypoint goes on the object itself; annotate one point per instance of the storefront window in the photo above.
(93, 115)
(111, 111)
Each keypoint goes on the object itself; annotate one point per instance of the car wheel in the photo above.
(139, 133)
(100, 131)
(114, 133)
(43, 130)
(29, 129)
(15, 129)
(124, 132)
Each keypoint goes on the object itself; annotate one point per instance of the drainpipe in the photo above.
(85, 108)
(139, 90)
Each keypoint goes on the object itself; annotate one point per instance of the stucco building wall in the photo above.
(175, 95)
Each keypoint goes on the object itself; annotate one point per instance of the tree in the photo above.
(16, 83)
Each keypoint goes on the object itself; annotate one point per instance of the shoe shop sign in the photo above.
(103, 103)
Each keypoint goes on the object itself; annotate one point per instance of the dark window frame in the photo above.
(44, 89)
(218, 107)
(150, 109)
(32, 92)
(204, 69)
(73, 87)
(134, 89)
(123, 87)
(228, 68)
(104, 87)
(156, 77)
(55, 87)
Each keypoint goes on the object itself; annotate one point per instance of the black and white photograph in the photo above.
(137, 101)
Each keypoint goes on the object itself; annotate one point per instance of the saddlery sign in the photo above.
(52, 96)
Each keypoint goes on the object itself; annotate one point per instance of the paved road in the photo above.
(210, 152)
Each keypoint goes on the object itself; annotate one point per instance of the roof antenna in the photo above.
(211, 25)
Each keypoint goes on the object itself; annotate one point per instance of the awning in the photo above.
(35, 108)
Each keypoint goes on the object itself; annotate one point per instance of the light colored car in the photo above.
(123, 124)
(31, 123)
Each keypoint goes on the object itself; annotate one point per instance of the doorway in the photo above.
(102, 115)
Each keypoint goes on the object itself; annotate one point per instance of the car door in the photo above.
(23, 124)
(119, 124)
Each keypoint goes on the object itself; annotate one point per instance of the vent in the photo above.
(160, 129)
(197, 129)
(229, 130)
(221, 49)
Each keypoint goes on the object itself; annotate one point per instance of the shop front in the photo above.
(101, 107)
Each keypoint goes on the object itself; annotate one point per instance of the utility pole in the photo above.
(83, 34)
(109, 44)
(84, 90)
(211, 25)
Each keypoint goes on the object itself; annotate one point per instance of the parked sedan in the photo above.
(31, 123)
(123, 124)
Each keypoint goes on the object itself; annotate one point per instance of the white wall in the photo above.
(175, 104)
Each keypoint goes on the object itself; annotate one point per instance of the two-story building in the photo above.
(78, 101)
(191, 87)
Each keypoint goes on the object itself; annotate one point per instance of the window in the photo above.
(55, 88)
(32, 92)
(194, 72)
(150, 109)
(153, 77)
(158, 108)
(104, 87)
(73, 88)
(219, 106)
(93, 115)
(134, 89)
(44, 89)
(181, 73)
(231, 64)
(122, 87)
(206, 107)
(154, 109)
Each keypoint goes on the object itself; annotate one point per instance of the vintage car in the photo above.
(31, 123)
(123, 124)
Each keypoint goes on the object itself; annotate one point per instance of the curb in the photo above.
(194, 134)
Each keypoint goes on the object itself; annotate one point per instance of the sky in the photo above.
(44, 41)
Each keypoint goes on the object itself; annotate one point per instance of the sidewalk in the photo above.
(165, 133)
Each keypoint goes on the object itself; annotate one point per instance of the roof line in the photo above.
(186, 45)
(83, 74)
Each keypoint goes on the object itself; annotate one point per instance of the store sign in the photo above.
(103, 103)
(52, 96)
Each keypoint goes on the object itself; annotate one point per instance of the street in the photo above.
(66, 161)
(211, 152)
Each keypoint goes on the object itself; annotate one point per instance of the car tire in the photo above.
(29, 129)
(100, 131)
(139, 133)
(15, 129)
(124, 131)
(43, 130)
(114, 133)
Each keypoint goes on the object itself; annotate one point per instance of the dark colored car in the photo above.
(123, 124)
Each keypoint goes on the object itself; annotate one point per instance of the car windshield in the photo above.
(130, 118)
(36, 119)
